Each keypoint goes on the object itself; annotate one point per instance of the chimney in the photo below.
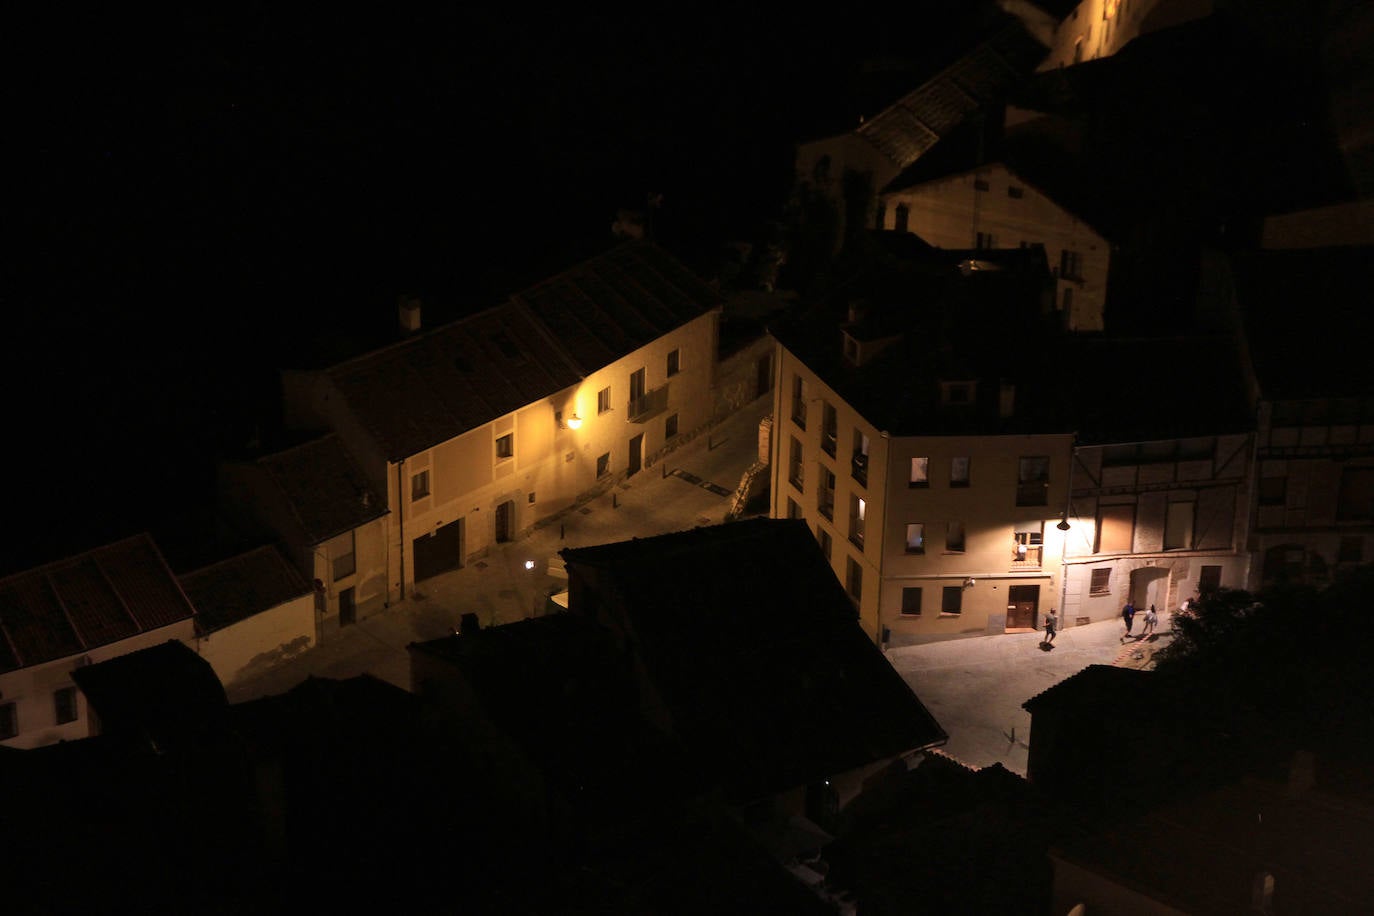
(408, 309)
(1006, 400)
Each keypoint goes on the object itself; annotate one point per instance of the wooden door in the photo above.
(1022, 603)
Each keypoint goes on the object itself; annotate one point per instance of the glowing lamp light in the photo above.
(574, 421)
(529, 564)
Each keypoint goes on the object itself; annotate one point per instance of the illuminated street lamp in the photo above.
(574, 421)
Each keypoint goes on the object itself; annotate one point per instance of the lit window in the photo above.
(858, 509)
(419, 485)
(505, 446)
(920, 472)
(915, 538)
(603, 400)
(64, 704)
(674, 363)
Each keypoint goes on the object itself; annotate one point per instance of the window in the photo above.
(340, 551)
(1351, 550)
(799, 401)
(793, 510)
(1273, 491)
(858, 511)
(1178, 526)
(902, 218)
(1015, 192)
(980, 184)
(957, 394)
(603, 400)
(1070, 265)
(823, 538)
(505, 446)
(1115, 528)
(1356, 499)
(1209, 579)
(674, 363)
(1067, 303)
(1027, 543)
(984, 241)
(1101, 583)
(64, 704)
(530, 499)
(915, 537)
(952, 599)
(670, 427)
(851, 350)
(829, 428)
(911, 602)
(859, 469)
(825, 491)
(1033, 481)
(419, 485)
(920, 473)
(854, 580)
(9, 721)
(603, 465)
(795, 474)
(880, 217)
(954, 537)
(958, 472)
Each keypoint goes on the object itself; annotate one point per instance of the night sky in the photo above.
(200, 198)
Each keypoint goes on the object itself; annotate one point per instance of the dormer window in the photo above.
(958, 394)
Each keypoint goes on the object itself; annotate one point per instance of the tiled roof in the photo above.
(1096, 686)
(441, 384)
(77, 604)
(325, 488)
(905, 130)
(239, 587)
(762, 665)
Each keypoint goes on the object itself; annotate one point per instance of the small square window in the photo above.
(64, 704)
(505, 446)
(670, 427)
(674, 363)
(952, 599)
(911, 602)
(603, 465)
(958, 472)
(530, 498)
(920, 472)
(419, 485)
(1101, 582)
(9, 721)
(603, 400)
(1015, 192)
(980, 184)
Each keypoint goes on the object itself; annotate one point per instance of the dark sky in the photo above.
(195, 197)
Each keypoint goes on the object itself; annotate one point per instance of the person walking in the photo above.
(1151, 620)
(1128, 615)
(1051, 626)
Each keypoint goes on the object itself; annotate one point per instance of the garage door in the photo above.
(439, 552)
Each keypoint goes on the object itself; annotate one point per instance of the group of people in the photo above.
(1151, 619)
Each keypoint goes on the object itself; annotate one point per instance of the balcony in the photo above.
(648, 405)
(1025, 556)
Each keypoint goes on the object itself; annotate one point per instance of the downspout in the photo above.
(887, 485)
(401, 520)
(1064, 527)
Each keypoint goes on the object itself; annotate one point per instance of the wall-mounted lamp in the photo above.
(970, 582)
(1063, 524)
(574, 421)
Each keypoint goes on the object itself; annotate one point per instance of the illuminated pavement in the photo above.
(975, 687)
(691, 486)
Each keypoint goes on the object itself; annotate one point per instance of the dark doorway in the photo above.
(439, 552)
(348, 607)
(1023, 601)
(505, 521)
(636, 455)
